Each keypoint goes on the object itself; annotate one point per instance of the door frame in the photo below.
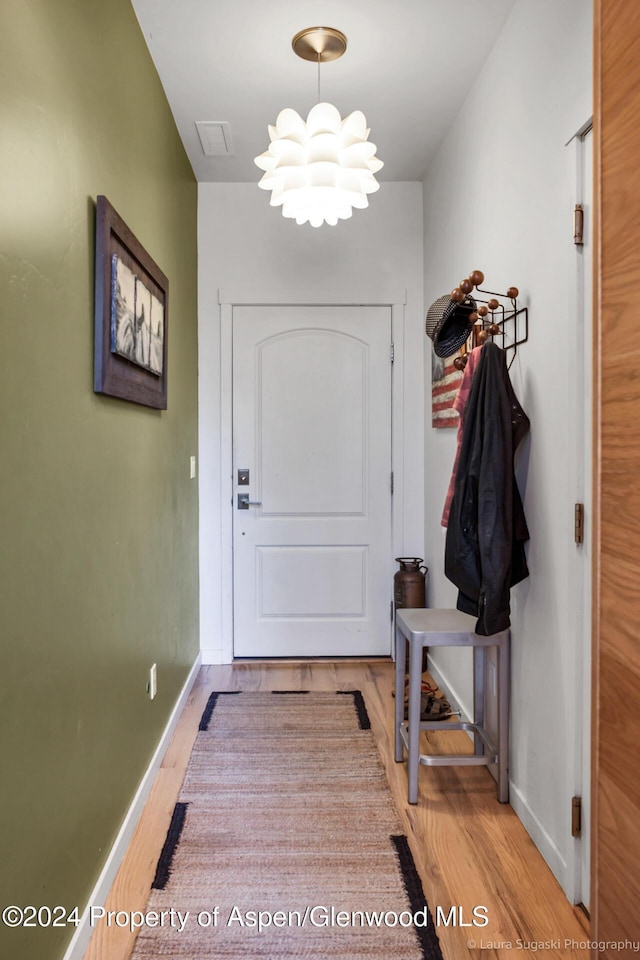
(581, 576)
(228, 299)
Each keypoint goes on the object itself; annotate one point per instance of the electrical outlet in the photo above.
(192, 468)
(152, 686)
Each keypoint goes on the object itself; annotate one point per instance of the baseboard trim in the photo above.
(541, 838)
(80, 940)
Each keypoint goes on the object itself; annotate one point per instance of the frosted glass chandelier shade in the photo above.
(320, 170)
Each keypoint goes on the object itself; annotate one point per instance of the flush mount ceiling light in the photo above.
(319, 170)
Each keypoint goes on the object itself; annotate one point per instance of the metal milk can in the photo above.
(409, 583)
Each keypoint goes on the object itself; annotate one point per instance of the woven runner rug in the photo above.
(285, 843)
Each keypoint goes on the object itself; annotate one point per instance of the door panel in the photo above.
(319, 378)
(312, 424)
(312, 581)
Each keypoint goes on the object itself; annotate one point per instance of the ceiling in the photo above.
(409, 66)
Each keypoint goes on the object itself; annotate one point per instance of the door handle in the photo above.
(244, 503)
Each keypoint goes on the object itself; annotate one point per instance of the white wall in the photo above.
(499, 197)
(247, 246)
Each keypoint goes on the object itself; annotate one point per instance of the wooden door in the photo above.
(616, 612)
(312, 426)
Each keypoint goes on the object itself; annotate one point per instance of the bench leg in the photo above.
(401, 660)
(478, 697)
(504, 679)
(415, 685)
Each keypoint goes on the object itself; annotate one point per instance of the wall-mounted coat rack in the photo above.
(497, 316)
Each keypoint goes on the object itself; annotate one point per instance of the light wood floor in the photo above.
(469, 849)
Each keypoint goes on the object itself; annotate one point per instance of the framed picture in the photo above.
(131, 315)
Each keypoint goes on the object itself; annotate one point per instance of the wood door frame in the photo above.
(586, 460)
(228, 299)
(580, 580)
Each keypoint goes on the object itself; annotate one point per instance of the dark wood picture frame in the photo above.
(114, 373)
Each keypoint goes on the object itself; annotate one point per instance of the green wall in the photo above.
(98, 565)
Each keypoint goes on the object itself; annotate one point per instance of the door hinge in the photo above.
(576, 816)
(578, 224)
(578, 534)
(392, 483)
(392, 352)
(391, 611)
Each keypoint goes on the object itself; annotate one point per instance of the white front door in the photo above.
(312, 426)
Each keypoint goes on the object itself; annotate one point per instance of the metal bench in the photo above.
(420, 628)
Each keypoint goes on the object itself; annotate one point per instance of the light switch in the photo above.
(192, 467)
(152, 686)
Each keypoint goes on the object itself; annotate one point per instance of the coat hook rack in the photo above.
(497, 316)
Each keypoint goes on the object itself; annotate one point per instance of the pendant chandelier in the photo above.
(318, 170)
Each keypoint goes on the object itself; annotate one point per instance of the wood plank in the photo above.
(616, 658)
(469, 849)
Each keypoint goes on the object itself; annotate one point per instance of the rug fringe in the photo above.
(360, 706)
(172, 840)
(211, 705)
(413, 885)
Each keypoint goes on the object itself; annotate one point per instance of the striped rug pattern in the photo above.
(285, 843)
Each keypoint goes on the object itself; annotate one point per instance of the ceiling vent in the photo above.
(215, 137)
